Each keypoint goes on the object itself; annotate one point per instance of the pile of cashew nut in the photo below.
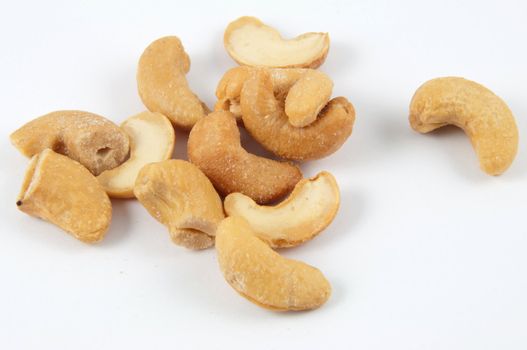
(224, 196)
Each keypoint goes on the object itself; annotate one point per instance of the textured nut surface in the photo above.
(484, 117)
(88, 138)
(214, 146)
(63, 192)
(162, 84)
(309, 209)
(151, 140)
(178, 195)
(250, 42)
(262, 276)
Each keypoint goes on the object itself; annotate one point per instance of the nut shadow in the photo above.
(120, 226)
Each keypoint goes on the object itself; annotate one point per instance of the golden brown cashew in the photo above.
(162, 84)
(214, 146)
(264, 117)
(484, 117)
(63, 192)
(262, 276)
(90, 139)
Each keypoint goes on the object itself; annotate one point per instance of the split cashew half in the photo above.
(214, 146)
(162, 84)
(308, 210)
(484, 117)
(262, 276)
(90, 139)
(63, 192)
(250, 42)
(151, 140)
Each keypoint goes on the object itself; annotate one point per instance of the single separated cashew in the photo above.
(88, 138)
(178, 195)
(63, 192)
(308, 210)
(264, 117)
(262, 276)
(250, 42)
(162, 84)
(151, 140)
(484, 117)
(214, 146)
(305, 91)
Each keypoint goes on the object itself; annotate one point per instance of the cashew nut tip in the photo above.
(485, 118)
(262, 276)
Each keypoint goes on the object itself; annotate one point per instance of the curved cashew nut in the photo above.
(214, 146)
(88, 138)
(262, 276)
(162, 84)
(484, 117)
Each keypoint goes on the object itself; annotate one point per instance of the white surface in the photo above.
(427, 252)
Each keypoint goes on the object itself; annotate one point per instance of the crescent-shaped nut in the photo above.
(214, 146)
(88, 138)
(162, 84)
(178, 195)
(484, 117)
(252, 43)
(264, 117)
(262, 276)
(63, 192)
(308, 210)
(151, 140)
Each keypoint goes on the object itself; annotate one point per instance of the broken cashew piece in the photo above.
(308, 210)
(178, 195)
(151, 140)
(162, 84)
(262, 276)
(88, 138)
(214, 147)
(63, 192)
(252, 43)
(484, 117)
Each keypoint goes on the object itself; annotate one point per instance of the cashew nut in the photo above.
(214, 146)
(90, 139)
(162, 84)
(63, 192)
(250, 42)
(308, 210)
(178, 195)
(484, 117)
(262, 276)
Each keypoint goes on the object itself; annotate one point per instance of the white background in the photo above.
(427, 252)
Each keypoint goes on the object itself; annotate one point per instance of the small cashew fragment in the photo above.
(88, 138)
(151, 140)
(308, 210)
(250, 42)
(262, 276)
(162, 84)
(264, 117)
(214, 146)
(63, 192)
(178, 195)
(484, 117)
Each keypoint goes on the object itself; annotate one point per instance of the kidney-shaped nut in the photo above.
(262, 276)
(484, 117)
(250, 42)
(151, 140)
(308, 210)
(162, 84)
(214, 146)
(90, 139)
(177, 194)
(63, 192)
(264, 116)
